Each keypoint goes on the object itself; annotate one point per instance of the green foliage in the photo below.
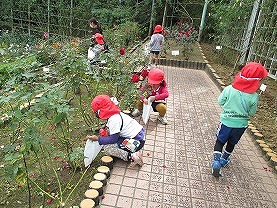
(48, 127)
(183, 34)
(66, 19)
(77, 156)
(125, 35)
(228, 18)
(16, 54)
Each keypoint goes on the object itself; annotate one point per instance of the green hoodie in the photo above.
(234, 114)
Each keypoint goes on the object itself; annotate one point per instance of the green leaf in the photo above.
(60, 117)
(6, 99)
(28, 75)
(17, 113)
(21, 176)
(36, 120)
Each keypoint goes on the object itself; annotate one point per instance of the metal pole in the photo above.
(71, 17)
(164, 16)
(151, 19)
(249, 33)
(48, 17)
(12, 16)
(29, 20)
(203, 19)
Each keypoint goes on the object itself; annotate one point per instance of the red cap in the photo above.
(158, 29)
(99, 38)
(103, 105)
(248, 79)
(155, 76)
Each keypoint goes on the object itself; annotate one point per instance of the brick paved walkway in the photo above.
(177, 157)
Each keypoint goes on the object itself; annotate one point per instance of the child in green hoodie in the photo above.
(239, 102)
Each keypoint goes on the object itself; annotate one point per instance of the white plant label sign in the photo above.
(263, 87)
(175, 53)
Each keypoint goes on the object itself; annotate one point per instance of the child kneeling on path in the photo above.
(157, 95)
(125, 135)
(239, 101)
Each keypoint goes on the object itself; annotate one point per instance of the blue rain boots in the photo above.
(224, 160)
(216, 166)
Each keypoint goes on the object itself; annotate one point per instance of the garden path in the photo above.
(178, 156)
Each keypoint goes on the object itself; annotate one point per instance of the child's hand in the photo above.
(152, 98)
(145, 101)
(93, 138)
(84, 139)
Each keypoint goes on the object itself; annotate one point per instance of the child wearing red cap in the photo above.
(158, 93)
(156, 43)
(125, 135)
(239, 102)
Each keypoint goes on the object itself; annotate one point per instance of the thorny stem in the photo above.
(86, 120)
(67, 143)
(43, 191)
(40, 167)
(28, 184)
(60, 186)
(76, 184)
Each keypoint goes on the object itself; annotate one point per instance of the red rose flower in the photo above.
(103, 132)
(144, 73)
(135, 78)
(48, 201)
(187, 33)
(122, 51)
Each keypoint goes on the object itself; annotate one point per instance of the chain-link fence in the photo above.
(37, 17)
(249, 27)
(264, 45)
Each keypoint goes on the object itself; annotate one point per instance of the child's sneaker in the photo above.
(224, 162)
(162, 120)
(137, 159)
(136, 113)
(216, 169)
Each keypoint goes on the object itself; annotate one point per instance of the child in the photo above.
(95, 25)
(125, 135)
(158, 93)
(156, 43)
(96, 28)
(96, 49)
(239, 102)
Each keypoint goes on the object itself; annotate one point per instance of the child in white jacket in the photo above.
(156, 43)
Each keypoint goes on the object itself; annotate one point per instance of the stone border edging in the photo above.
(182, 63)
(254, 133)
(109, 166)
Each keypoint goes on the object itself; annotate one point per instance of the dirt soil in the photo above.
(265, 120)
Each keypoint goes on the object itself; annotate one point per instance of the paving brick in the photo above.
(178, 156)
